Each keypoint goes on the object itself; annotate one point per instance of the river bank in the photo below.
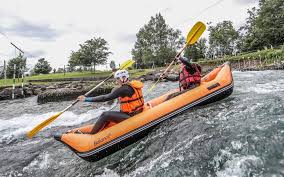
(57, 91)
(65, 89)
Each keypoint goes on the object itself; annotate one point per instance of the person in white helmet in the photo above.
(130, 97)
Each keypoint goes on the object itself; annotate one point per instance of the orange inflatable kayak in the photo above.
(214, 86)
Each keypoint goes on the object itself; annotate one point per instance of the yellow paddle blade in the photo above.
(40, 126)
(127, 64)
(195, 32)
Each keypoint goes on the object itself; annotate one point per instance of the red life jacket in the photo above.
(186, 79)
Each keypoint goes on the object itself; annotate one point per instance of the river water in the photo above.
(242, 135)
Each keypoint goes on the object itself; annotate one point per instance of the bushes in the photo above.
(268, 55)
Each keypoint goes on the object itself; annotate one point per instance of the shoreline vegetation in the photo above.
(63, 87)
(259, 60)
(268, 59)
(265, 57)
(68, 76)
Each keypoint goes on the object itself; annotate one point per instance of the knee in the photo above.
(105, 115)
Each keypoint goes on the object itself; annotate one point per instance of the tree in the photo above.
(42, 67)
(74, 59)
(93, 52)
(223, 38)
(20, 62)
(264, 26)
(196, 51)
(1, 72)
(157, 42)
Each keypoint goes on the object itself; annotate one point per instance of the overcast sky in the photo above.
(51, 29)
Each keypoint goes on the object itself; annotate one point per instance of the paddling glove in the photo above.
(89, 99)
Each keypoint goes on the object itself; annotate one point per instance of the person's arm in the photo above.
(119, 92)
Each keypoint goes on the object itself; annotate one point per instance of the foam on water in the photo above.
(244, 74)
(19, 126)
(108, 173)
(165, 159)
(42, 162)
(240, 166)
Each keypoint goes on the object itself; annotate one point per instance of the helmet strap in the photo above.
(124, 80)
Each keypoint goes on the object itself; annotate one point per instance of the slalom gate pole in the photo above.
(23, 82)
(14, 82)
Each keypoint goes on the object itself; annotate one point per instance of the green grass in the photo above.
(69, 75)
(9, 82)
(268, 55)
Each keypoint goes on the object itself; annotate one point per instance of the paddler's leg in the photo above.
(181, 92)
(114, 116)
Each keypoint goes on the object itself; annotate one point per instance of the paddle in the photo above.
(193, 35)
(35, 130)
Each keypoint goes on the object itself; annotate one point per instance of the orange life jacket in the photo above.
(135, 103)
(186, 79)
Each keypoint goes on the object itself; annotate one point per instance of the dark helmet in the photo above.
(185, 61)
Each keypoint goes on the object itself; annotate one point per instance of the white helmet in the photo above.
(122, 75)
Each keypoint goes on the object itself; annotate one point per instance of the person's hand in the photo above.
(177, 57)
(163, 75)
(81, 98)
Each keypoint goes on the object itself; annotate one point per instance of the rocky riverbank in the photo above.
(247, 65)
(68, 90)
(66, 94)
(57, 91)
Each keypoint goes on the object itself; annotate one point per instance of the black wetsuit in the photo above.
(114, 116)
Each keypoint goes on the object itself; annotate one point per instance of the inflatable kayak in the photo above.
(214, 86)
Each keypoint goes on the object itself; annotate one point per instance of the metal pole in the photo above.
(17, 48)
(64, 70)
(14, 82)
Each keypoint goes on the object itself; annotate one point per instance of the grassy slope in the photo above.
(133, 73)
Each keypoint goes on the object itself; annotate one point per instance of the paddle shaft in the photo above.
(88, 93)
(162, 75)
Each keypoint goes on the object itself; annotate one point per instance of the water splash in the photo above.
(17, 127)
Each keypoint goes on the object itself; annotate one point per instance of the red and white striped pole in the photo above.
(14, 82)
(23, 82)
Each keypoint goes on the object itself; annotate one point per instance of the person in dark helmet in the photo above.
(190, 75)
(130, 97)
